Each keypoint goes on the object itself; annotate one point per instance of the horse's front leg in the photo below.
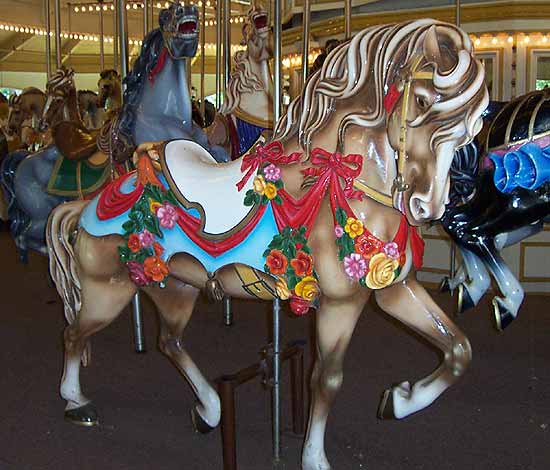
(409, 303)
(336, 320)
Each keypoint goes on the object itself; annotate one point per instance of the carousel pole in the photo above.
(219, 32)
(101, 38)
(305, 44)
(115, 38)
(226, 44)
(145, 17)
(203, 57)
(452, 262)
(57, 25)
(276, 394)
(48, 41)
(347, 19)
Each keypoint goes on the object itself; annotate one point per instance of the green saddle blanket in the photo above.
(72, 178)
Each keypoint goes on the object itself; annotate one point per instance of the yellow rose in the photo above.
(270, 191)
(282, 289)
(354, 227)
(259, 185)
(307, 288)
(153, 206)
(381, 271)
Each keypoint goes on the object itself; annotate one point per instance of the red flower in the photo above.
(402, 259)
(367, 245)
(159, 250)
(299, 306)
(302, 264)
(155, 268)
(276, 262)
(133, 243)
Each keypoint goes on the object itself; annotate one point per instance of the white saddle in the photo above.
(199, 182)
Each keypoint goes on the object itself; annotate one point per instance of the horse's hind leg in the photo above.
(102, 302)
(477, 281)
(175, 304)
(409, 303)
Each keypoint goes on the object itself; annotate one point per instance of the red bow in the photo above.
(333, 166)
(392, 96)
(272, 153)
(159, 65)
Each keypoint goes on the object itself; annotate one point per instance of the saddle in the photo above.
(74, 141)
(200, 183)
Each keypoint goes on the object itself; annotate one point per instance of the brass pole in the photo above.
(347, 18)
(57, 25)
(305, 42)
(203, 57)
(48, 41)
(219, 32)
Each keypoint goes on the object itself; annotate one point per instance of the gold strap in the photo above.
(253, 284)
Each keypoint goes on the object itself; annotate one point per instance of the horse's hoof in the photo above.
(385, 410)
(445, 286)
(83, 415)
(199, 424)
(503, 316)
(465, 302)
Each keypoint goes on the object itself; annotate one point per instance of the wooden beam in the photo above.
(14, 42)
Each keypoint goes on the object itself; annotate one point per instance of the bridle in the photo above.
(392, 96)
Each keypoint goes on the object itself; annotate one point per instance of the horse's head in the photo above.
(434, 100)
(180, 30)
(58, 90)
(108, 86)
(257, 34)
(16, 115)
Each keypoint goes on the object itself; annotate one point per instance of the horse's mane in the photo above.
(242, 80)
(376, 56)
(135, 80)
(108, 73)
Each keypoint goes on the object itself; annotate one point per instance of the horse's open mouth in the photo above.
(188, 27)
(260, 22)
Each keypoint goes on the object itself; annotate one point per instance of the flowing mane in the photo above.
(376, 56)
(242, 80)
(136, 79)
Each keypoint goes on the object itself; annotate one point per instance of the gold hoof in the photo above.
(83, 416)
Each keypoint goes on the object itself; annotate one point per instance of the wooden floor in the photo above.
(497, 417)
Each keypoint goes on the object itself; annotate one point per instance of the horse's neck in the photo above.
(259, 103)
(168, 96)
(114, 101)
(70, 108)
(34, 106)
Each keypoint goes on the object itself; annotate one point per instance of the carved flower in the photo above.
(259, 185)
(167, 215)
(133, 243)
(154, 206)
(307, 288)
(391, 250)
(159, 250)
(276, 262)
(282, 289)
(299, 306)
(270, 191)
(354, 227)
(381, 271)
(367, 245)
(146, 238)
(155, 268)
(272, 173)
(137, 274)
(338, 231)
(302, 264)
(355, 266)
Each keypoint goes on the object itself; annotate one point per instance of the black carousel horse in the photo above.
(499, 200)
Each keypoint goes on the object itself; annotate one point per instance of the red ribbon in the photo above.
(159, 65)
(392, 96)
(272, 153)
(333, 166)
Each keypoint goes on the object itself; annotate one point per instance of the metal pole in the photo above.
(203, 58)
(139, 339)
(218, 54)
(457, 12)
(277, 29)
(122, 37)
(146, 26)
(115, 38)
(226, 44)
(305, 43)
(101, 38)
(347, 18)
(48, 42)
(276, 399)
(57, 23)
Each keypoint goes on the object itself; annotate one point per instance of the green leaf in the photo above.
(278, 184)
(171, 198)
(341, 216)
(124, 253)
(363, 281)
(278, 200)
(291, 251)
(265, 199)
(266, 252)
(292, 281)
(128, 227)
(249, 198)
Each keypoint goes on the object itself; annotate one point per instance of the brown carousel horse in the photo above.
(247, 108)
(110, 91)
(323, 215)
(25, 111)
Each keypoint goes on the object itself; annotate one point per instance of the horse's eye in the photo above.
(422, 102)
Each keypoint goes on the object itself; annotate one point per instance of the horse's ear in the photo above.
(440, 47)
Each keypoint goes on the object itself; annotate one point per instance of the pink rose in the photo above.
(272, 173)
(137, 274)
(355, 266)
(391, 250)
(338, 231)
(167, 215)
(146, 238)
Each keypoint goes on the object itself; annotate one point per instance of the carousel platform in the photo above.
(497, 417)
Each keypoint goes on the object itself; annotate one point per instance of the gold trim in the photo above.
(373, 194)
(197, 206)
(252, 284)
(256, 121)
(512, 120)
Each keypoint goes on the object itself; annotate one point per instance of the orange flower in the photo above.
(276, 262)
(134, 243)
(159, 250)
(155, 268)
(302, 264)
(367, 245)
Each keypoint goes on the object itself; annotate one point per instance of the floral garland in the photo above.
(266, 185)
(142, 253)
(289, 259)
(373, 263)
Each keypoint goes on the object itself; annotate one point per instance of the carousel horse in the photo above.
(503, 199)
(247, 108)
(110, 91)
(322, 215)
(25, 111)
(91, 113)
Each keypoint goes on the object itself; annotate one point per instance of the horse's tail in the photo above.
(60, 232)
